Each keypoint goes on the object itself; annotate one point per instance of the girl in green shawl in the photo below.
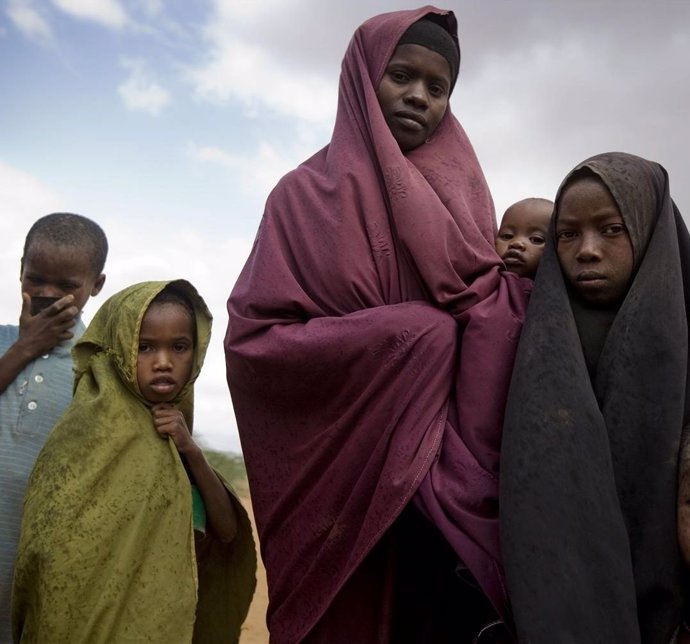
(116, 545)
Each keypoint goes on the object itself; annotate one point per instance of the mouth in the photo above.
(512, 258)
(411, 120)
(163, 385)
(590, 277)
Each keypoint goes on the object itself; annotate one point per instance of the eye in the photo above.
(537, 240)
(566, 235)
(505, 236)
(436, 90)
(181, 347)
(614, 229)
(398, 76)
(68, 286)
(144, 347)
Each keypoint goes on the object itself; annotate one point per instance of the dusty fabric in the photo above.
(369, 348)
(107, 549)
(588, 469)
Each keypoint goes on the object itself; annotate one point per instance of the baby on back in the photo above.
(521, 237)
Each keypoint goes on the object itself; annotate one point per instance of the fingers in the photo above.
(44, 330)
(26, 306)
(169, 421)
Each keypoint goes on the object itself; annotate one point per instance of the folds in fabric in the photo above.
(589, 464)
(371, 276)
(107, 549)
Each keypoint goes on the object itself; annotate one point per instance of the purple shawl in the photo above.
(371, 337)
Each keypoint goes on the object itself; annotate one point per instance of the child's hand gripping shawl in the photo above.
(588, 468)
(373, 299)
(107, 548)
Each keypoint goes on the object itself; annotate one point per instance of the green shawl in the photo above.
(107, 551)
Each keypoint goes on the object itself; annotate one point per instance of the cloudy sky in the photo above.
(168, 121)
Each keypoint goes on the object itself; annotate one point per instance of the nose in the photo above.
(589, 249)
(417, 94)
(162, 361)
(517, 242)
(49, 290)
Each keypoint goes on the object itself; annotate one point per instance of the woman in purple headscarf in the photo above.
(371, 337)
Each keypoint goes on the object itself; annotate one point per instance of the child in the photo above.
(62, 263)
(107, 492)
(521, 237)
(597, 404)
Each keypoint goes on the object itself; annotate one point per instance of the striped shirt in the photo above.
(29, 408)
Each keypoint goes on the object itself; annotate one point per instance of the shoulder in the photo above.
(304, 175)
(8, 336)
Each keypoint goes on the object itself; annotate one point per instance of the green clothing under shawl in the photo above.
(107, 552)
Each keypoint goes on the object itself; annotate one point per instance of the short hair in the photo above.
(68, 229)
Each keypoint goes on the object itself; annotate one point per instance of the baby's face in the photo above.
(521, 237)
(166, 351)
(594, 247)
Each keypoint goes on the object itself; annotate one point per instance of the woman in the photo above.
(594, 418)
(370, 342)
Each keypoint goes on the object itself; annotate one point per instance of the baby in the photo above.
(521, 237)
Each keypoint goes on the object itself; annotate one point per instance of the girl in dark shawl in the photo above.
(371, 337)
(594, 418)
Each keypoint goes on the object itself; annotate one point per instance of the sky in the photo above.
(168, 121)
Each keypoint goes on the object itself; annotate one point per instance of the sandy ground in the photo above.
(254, 628)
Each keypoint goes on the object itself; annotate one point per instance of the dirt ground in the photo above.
(254, 628)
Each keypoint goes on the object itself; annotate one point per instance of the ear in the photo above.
(98, 284)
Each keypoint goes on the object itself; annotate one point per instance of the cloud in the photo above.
(140, 92)
(29, 21)
(258, 169)
(237, 70)
(255, 172)
(24, 199)
(108, 13)
(147, 247)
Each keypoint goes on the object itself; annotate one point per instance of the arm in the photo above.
(38, 334)
(169, 421)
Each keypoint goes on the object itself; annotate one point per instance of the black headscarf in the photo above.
(589, 462)
(429, 32)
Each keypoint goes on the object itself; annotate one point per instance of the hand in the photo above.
(40, 333)
(170, 421)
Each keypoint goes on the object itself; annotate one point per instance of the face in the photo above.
(594, 247)
(166, 352)
(413, 94)
(51, 270)
(521, 237)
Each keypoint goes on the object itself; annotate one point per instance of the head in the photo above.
(593, 243)
(64, 254)
(417, 82)
(522, 235)
(167, 343)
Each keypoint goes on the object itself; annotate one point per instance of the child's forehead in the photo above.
(528, 215)
(159, 314)
(43, 248)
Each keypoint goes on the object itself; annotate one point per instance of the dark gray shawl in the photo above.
(589, 465)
